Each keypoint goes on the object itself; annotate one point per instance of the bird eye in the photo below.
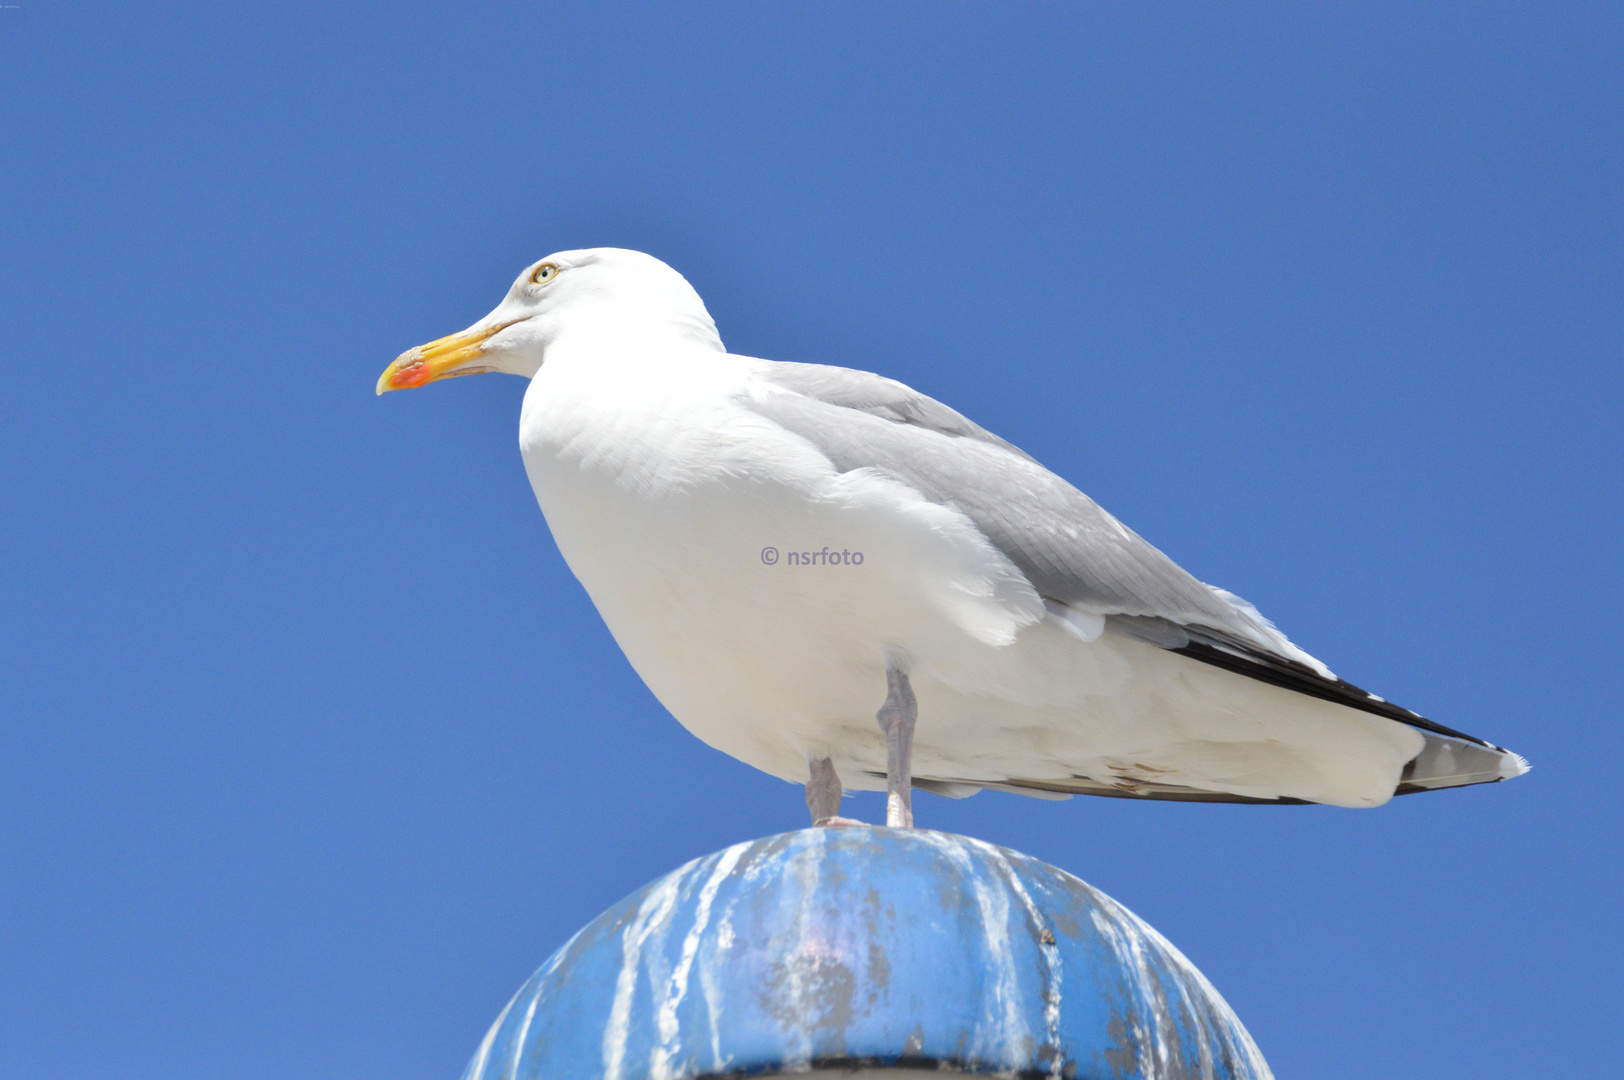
(544, 273)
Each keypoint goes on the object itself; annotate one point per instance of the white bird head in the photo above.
(610, 292)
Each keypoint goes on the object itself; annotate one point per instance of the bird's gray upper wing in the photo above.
(1071, 550)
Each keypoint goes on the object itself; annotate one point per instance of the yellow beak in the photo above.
(443, 358)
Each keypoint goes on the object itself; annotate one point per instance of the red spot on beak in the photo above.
(411, 376)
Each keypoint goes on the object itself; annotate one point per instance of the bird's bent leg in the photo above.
(897, 717)
(823, 791)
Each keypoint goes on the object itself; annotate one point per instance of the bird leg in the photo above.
(823, 791)
(897, 717)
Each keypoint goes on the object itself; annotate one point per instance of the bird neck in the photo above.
(627, 354)
(614, 326)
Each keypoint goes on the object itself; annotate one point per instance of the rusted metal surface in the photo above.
(883, 949)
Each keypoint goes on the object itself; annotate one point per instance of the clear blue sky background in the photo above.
(312, 748)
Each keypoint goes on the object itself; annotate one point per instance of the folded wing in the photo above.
(1076, 554)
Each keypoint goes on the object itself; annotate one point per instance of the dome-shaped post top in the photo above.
(872, 949)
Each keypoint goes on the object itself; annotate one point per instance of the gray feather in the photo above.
(1070, 549)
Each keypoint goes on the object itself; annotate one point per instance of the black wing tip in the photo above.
(1291, 675)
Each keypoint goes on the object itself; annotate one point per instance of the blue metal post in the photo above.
(867, 949)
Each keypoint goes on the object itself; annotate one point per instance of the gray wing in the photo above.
(1071, 550)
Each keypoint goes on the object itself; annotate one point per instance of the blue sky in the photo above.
(311, 748)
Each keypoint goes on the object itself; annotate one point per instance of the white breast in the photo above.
(664, 493)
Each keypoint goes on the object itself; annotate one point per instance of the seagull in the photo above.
(781, 547)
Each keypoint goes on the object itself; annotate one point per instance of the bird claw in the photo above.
(834, 822)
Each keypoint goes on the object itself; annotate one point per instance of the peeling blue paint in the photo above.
(841, 947)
